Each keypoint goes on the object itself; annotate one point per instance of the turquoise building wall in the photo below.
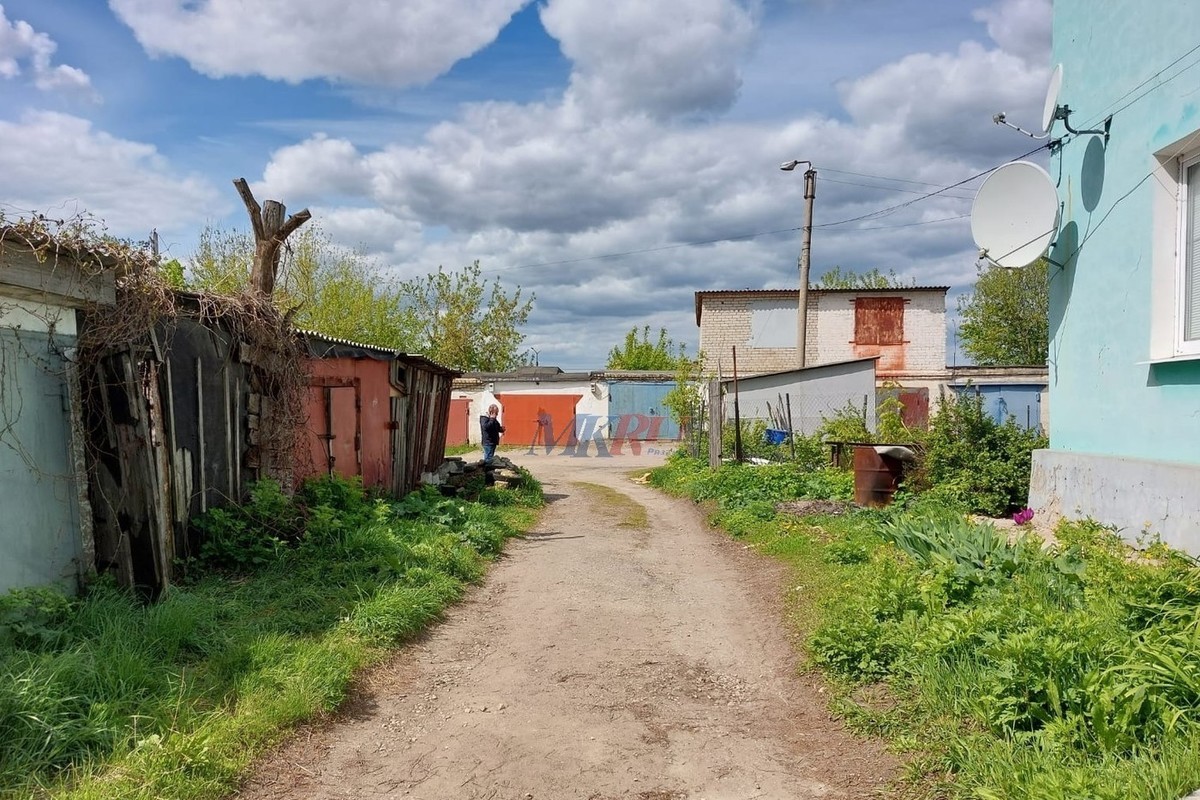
(1106, 396)
(1124, 406)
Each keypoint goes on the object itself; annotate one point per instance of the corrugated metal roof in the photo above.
(803, 369)
(553, 374)
(386, 353)
(525, 377)
(793, 293)
(634, 375)
(307, 332)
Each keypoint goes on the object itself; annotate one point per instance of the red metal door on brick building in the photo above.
(915, 407)
(458, 426)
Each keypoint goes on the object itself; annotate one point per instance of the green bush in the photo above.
(1027, 641)
(972, 462)
(31, 618)
(847, 424)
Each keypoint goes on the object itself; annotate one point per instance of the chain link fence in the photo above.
(766, 423)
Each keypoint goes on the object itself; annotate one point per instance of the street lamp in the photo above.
(810, 194)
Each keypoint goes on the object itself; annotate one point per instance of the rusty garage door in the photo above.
(543, 420)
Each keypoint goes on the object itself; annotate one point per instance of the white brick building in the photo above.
(905, 328)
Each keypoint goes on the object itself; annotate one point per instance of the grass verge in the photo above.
(632, 513)
(105, 696)
(998, 668)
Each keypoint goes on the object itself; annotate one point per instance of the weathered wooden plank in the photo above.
(25, 277)
(200, 436)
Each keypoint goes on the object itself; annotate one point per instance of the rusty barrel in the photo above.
(876, 477)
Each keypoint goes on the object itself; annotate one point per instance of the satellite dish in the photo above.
(1015, 214)
(1050, 110)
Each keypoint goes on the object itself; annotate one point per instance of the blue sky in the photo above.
(438, 132)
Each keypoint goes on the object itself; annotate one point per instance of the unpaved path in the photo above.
(597, 661)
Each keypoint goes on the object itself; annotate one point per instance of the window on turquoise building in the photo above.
(1188, 276)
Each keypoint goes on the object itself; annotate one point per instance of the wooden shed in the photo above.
(183, 419)
(373, 412)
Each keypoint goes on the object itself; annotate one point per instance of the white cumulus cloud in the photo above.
(24, 51)
(661, 58)
(381, 42)
(1021, 27)
(60, 165)
(625, 162)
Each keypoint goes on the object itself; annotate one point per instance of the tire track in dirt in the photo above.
(597, 661)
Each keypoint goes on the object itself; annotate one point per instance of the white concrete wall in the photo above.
(1133, 494)
(815, 394)
(22, 315)
(589, 404)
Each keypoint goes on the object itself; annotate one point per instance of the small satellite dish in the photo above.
(1050, 110)
(1015, 214)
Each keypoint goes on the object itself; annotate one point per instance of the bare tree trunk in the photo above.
(270, 231)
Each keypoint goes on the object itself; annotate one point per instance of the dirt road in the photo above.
(604, 657)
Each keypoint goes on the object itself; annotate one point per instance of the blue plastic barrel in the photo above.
(776, 436)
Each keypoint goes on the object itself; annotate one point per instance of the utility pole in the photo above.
(810, 194)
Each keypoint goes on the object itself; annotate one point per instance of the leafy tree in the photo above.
(837, 278)
(330, 289)
(345, 294)
(686, 399)
(172, 272)
(641, 353)
(465, 323)
(1006, 319)
(456, 319)
(222, 261)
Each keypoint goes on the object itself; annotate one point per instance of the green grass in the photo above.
(105, 696)
(997, 669)
(630, 512)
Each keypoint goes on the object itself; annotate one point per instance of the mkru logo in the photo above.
(577, 435)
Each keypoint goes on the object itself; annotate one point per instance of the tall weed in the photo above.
(1018, 670)
(182, 692)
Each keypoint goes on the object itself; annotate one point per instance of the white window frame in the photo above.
(1184, 346)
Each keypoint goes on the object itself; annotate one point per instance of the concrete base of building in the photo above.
(1134, 495)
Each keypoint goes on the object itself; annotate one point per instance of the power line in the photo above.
(890, 209)
(891, 188)
(911, 224)
(1107, 113)
(877, 177)
(879, 213)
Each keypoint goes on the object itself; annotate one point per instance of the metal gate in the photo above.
(540, 420)
(636, 411)
(458, 426)
(1022, 402)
